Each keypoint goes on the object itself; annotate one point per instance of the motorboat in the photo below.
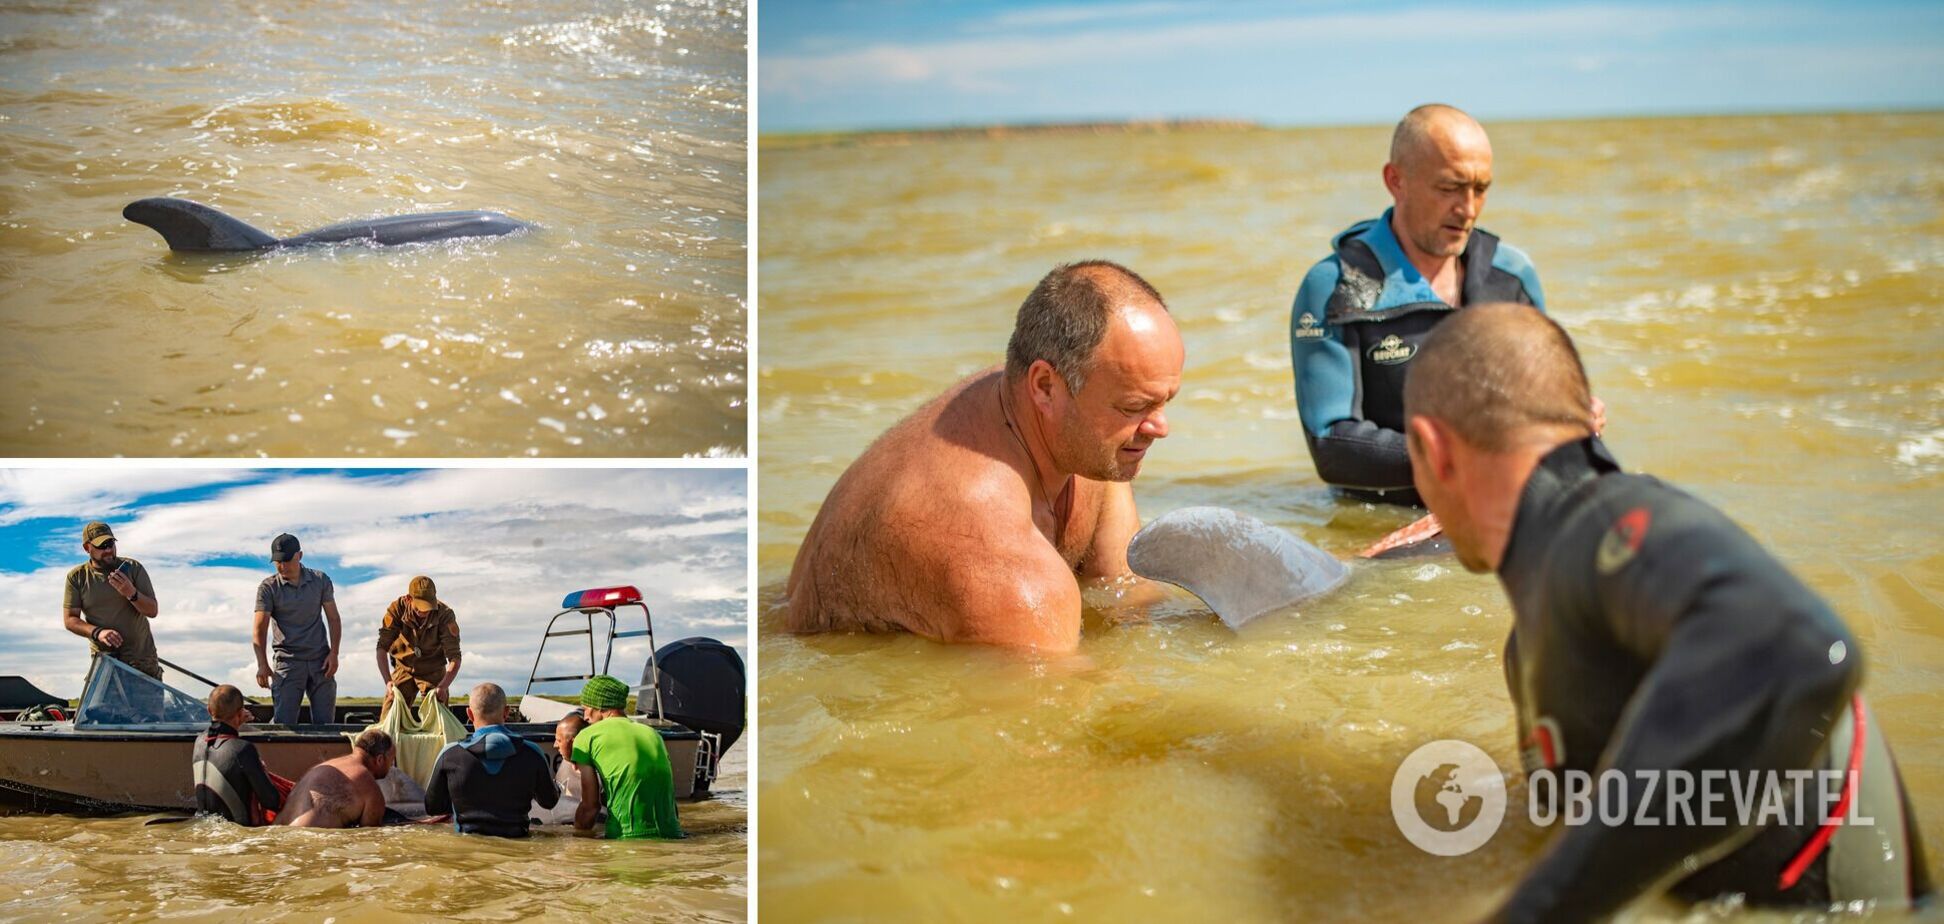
(126, 747)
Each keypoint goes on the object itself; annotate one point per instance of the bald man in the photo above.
(1651, 635)
(1362, 312)
(974, 519)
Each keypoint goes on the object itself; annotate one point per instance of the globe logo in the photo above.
(1442, 802)
(1448, 798)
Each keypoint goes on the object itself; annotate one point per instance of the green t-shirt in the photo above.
(632, 763)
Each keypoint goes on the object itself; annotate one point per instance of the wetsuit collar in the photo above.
(219, 730)
(1560, 471)
(492, 744)
(1403, 284)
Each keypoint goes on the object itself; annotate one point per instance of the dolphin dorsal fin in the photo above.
(193, 226)
(1240, 566)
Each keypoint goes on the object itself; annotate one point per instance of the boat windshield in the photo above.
(119, 696)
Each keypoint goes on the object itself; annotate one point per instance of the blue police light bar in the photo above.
(600, 597)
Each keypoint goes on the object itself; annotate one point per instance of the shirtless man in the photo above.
(343, 792)
(970, 520)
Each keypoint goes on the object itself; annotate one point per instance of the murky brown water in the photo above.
(1756, 302)
(56, 868)
(616, 329)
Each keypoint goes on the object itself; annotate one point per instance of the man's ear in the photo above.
(1043, 382)
(1430, 446)
(1393, 179)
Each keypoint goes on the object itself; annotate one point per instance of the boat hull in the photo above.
(56, 768)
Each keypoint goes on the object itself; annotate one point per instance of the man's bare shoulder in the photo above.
(946, 454)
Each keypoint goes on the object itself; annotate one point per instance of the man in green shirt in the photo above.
(623, 765)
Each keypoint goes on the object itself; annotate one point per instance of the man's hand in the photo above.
(330, 665)
(263, 676)
(1599, 416)
(443, 693)
(121, 583)
(109, 638)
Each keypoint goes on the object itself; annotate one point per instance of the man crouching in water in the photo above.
(970, 520)
(343, 792)
(1651, 634)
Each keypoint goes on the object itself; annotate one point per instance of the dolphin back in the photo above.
(193, 226)
(1240, 566)
(411, 229)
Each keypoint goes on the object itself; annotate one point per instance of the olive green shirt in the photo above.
(87, 590)
(420, 644)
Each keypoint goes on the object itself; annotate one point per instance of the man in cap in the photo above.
(626, 764)
(418, 646)
(296, 603)
(109, 601)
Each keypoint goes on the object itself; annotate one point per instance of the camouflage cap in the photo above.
(604, 692)
(97, 534)
(423, 589)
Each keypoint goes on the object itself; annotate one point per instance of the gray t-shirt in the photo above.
(297, 614)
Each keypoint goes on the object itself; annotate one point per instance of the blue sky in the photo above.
(846, 64)
(504, 545)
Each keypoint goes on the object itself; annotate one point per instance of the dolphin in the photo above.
(192, 226)
(1240, 566)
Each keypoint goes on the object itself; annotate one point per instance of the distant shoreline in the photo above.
(902, 136)
(892, 137)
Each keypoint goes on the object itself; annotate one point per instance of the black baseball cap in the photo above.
(284, 547)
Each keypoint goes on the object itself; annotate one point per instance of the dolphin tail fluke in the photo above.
(193, 226)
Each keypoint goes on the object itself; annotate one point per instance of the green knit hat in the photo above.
(604, 692)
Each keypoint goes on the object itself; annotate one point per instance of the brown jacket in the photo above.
(420, 644)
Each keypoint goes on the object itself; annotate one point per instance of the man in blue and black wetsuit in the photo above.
(1653, 641)
(490, 780)
(1363, 312)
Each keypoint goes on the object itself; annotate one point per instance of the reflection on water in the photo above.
(617, 327)
(61, 868)
(1753, 299)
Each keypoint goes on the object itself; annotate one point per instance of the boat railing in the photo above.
(603, 602)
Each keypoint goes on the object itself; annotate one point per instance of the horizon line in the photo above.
(1258, 124)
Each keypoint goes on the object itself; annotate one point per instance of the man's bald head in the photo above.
(1067, 315)
(1426, 129)
(1498, 375)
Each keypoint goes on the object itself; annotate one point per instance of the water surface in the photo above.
(1755, 299)
(55, 868)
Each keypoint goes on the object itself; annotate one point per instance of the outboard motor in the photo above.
(703, 687)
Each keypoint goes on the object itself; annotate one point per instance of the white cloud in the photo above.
(981, 60)
(92, 492)
(504, 546)
(1045, 16)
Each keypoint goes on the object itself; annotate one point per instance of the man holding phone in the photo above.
(109, 601)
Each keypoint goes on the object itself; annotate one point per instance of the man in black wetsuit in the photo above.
(230, 779)
(1650, 634)
(490, 780)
